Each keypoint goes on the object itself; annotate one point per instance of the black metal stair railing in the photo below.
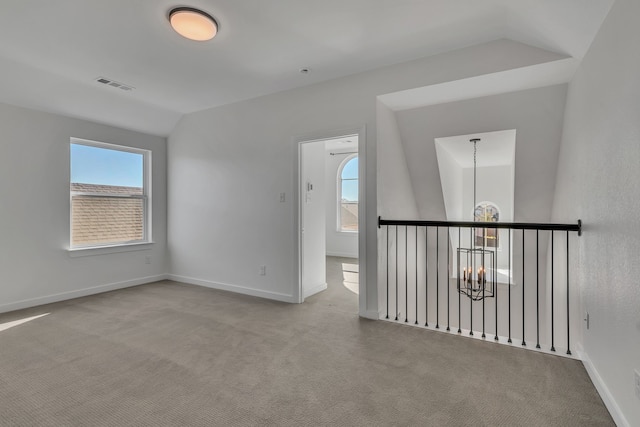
(545, 302)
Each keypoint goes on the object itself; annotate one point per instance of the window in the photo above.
(348, 195)
(488, 237)
(109, 195)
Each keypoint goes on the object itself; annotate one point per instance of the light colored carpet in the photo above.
(180, 355)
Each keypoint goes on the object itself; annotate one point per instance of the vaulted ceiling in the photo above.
(51, 52)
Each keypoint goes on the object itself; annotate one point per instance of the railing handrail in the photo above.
(471, 224)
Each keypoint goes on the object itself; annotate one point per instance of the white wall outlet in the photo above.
(636, 378)
(263, 270)
(147, 259)
(283, 197)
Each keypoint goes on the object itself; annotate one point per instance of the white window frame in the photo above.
(98, 248)
(339, 193)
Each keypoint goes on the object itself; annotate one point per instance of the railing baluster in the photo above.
(437, 277)
(458, 274)
(537, 290)
(416, 298)
(426, 276)
(568, 347)
(509, 288)
(406, 273)
(472, 269)
(387, 272)
(524, 343)
(553, 347)
(484, 278)
(495, 285)
(397, 273)
(448, 275)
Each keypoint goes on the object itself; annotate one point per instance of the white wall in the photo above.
(313, 216)
(396, 197)
(339, 243)
(598, 176)
(34, 212)
(228, 165)
(452, 184)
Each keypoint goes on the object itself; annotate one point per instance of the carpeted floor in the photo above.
(170, 354)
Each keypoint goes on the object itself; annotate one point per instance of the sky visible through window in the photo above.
(101, 166)
(350, 180)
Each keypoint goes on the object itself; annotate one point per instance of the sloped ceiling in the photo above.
(535, 114)
(51, 52)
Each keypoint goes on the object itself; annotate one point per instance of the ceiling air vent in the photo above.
(114, 83)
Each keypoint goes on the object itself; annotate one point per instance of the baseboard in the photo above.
(603, 390)
(34, 302)
(233, 288)
(370, 314)
(341, 254)
(319, 288)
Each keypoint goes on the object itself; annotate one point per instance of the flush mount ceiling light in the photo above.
(193, 24)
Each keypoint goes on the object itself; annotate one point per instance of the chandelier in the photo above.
(477, 265)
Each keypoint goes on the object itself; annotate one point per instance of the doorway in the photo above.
(329, 211)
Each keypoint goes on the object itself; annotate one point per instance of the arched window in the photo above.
(348, 194)
(487, 237)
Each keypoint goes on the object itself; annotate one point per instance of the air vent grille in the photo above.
(113, 83)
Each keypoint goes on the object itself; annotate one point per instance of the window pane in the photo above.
(102, 166)
(102, 220)
(350, 191)
(349, 196)
(488, 237)
(350, 170)
(349, 216)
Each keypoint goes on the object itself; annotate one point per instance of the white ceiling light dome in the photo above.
(193, 24)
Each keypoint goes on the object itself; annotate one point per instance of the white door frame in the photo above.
(362, 237)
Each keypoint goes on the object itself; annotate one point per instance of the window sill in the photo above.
(101, 250)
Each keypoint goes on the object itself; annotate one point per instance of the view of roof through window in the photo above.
(108, 200)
